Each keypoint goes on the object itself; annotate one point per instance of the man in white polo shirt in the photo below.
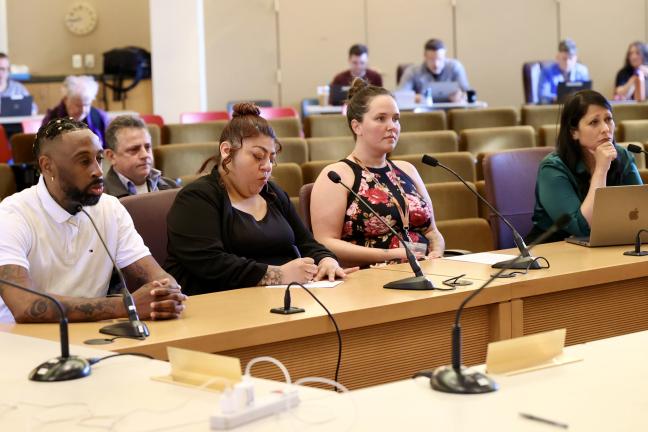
(48, 245)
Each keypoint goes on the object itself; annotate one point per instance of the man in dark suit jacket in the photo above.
(130, 152)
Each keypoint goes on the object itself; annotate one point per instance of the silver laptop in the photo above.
(619, 213)
(405, 98)
(442, 90)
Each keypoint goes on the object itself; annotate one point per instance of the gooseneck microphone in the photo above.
(133, 328)
(636, 149)
(417, 283)
(456, 378)
(525, 261)
(62, 368)
(637, 249)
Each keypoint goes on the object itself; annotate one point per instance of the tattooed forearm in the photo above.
(138, 273)
(143, 271)
(95, 309)
(272, 277)
(39, 310)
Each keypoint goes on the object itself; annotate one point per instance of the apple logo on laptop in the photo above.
(634, 214)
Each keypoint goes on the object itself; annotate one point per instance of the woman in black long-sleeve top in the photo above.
(234, 228)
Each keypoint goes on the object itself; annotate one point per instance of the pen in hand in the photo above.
(544, 420)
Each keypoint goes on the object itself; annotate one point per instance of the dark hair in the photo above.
(569, 149)
(246, 123)
(53, 129)
(119, 123)
(360, 95)
(358, 50)
(567, 46)
(434, 45)
(3, 55)
(643, 50)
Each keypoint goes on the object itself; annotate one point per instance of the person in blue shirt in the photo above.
(586, 158)
(565, 69)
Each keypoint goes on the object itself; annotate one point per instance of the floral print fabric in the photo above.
(377, 186)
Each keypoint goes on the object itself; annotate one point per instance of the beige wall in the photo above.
(492, 38)
(37, 35)
(178, 57)
(248, 42)
(240, 47)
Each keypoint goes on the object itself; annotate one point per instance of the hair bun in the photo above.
(244, 109)
(357, 85)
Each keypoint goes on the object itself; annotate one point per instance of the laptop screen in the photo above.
(339, 94)
(567, 88)
(12, 107)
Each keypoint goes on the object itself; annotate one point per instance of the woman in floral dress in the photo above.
(393, 188)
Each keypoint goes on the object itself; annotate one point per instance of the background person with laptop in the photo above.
(586, 159)
(9, 87)
(358, 60)
(565, 69)
(15, 99)
(436, 68)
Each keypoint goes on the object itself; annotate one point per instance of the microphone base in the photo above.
(634, 253)
(289, 311)
(61, 369)
(416, 283)
(448, 380)
(127, 329)
(522, 264)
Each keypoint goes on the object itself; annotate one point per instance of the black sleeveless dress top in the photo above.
(378, 186)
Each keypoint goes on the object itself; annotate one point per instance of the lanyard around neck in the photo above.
(404, 213)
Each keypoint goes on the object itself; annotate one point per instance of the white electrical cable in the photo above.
(269, 359)
(301, 381)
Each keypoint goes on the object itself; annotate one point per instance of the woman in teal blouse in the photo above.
(586, 158)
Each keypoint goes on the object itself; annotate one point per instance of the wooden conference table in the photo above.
(388, 334)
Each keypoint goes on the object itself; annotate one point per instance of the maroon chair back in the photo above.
(531, 80)
(5, 148)
(278, 112)
(22, 145)
(510, 178)
(400, 69)
(152, 119)
(149, 212)
(304, 204)
(202, 117)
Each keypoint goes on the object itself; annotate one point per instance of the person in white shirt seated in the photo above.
(49, 245)
(130, 152)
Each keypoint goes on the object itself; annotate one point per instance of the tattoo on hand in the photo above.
(272, 277)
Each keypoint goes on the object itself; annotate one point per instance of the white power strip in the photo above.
(270, 404)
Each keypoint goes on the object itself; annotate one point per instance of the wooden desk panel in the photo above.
(594, 293)
(379, 353)
(388, 334)
(588, 314)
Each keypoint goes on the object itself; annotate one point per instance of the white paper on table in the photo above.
(318, 284)
(483, 258)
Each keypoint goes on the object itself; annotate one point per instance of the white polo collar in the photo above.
(56, 212)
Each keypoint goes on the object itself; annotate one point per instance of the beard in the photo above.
(81, 196)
